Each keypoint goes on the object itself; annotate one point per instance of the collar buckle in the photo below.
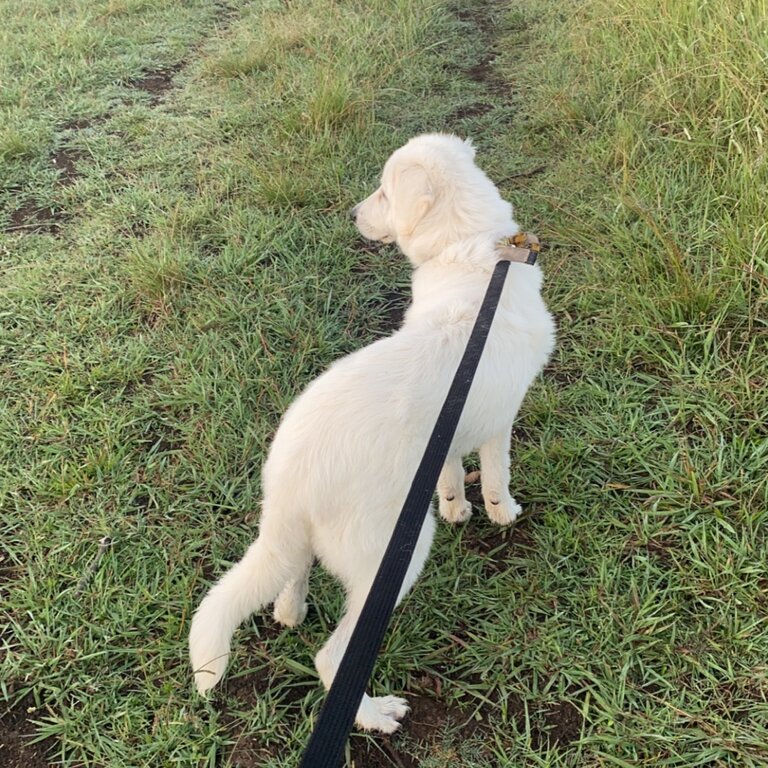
(522, 248)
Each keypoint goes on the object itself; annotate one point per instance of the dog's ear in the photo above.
(470, 147)
(413, 197)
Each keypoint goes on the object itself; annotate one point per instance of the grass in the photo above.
(162, 303)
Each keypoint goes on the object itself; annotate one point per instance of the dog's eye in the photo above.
(383, 194)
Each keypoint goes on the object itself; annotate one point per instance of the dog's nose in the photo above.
(353, 212)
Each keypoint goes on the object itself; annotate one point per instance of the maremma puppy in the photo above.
(343, 458)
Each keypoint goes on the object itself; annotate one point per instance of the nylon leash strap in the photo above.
(326, 744)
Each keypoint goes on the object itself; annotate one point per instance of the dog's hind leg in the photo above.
(381, 713)
(494, 478)
(454, 506)
(291, 606)
(279, 555)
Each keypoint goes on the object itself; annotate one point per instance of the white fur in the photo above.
(342, 461)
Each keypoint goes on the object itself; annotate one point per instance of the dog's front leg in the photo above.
(494, 477)
(454, 506)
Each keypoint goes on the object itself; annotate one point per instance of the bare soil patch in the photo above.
(471, 110)
(563, 723)
(390, 309)
(426, 724)
(156, 82)
(385, 313)
(16, 733)
(65, 161)
(32, 218)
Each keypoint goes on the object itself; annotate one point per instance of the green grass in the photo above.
(160, 310)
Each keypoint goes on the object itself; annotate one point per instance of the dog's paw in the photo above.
(455, 510)
(502, 510)
(288, 611)
(382, 714)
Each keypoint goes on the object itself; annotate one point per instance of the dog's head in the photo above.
(431, 195)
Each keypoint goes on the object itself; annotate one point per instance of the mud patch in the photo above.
(65, 162)
(384, 312)
(16, 732)
(225, 14)
(429, 718)
(477, 109)
(366, 247)
(163, 438)
(490, 541)
(482, 70)
(562, 725)
(389, 310)
(481, 19)
(249, 753)
(423, 731)
(156, 83)
(377, 752)
(33, 218)
(81, 123)
(241, 693)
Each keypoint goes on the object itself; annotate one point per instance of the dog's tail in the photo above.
(250, 584)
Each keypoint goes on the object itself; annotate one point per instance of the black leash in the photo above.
(326, 745)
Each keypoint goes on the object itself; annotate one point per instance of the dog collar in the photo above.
(521, 248)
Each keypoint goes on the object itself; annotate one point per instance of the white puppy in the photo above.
(342, 461)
